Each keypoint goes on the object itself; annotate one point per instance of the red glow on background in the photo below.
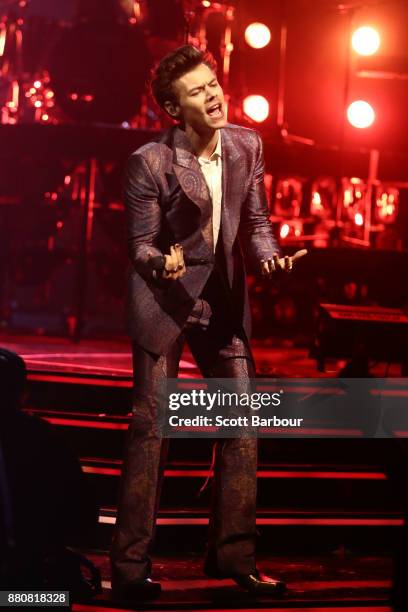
(257, 35)
(360, 114)
(366, 40)
(256, 107)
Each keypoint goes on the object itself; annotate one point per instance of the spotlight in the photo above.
(360, 114)
(257, 35)
(256, 108)
(365, 40)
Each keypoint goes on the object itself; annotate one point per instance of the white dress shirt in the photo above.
(212, 170)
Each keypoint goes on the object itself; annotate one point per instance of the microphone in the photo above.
(158, 262)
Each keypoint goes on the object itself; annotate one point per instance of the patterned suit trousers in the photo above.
(221, 351)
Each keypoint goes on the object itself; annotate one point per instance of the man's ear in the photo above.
(172, 109)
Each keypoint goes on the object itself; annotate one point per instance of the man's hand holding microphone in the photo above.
(169, 267)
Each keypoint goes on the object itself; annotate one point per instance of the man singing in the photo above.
(195, 202)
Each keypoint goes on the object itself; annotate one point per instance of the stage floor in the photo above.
(341, 581)
(113, 358)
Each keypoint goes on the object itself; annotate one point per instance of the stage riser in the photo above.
(274, 540)
(106, 440)
(97, 398)
(96, 431)
(294, 493)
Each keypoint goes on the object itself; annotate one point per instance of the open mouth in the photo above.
(215, 111)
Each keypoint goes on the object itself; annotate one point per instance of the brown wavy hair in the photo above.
(173, 66)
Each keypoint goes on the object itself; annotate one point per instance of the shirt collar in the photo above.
(216, 154)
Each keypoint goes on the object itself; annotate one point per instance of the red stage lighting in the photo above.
(365, 40)
(256, 108)
(257, 35)
(360, 114)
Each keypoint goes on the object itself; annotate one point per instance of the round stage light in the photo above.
(359, 219)
(257, 35)
(366, 40)
(284, 231)
(360, 114)
(256, 108)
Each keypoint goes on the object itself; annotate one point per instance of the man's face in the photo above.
(201, 102)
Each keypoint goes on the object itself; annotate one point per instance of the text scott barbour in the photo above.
(241, 421)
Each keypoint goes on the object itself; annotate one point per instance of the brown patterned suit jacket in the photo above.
(167, 202)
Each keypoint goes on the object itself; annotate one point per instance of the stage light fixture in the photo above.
(360, 114)
(284, 230)
(291, 230)
(359, 219)
(366, 40)
(323, 198)
(386, 204)
(288, 198)
(257, 35)
(353, 211)
(256, 108)
(354, 190)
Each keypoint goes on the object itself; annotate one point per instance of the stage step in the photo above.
(321, 492)
(280, 531)
(328, 486)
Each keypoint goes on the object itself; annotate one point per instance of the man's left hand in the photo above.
(269, 266)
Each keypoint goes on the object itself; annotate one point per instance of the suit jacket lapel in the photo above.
(192, 181)
(232, 184)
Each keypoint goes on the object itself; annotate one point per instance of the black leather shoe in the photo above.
(137, 590)
(259, 584)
